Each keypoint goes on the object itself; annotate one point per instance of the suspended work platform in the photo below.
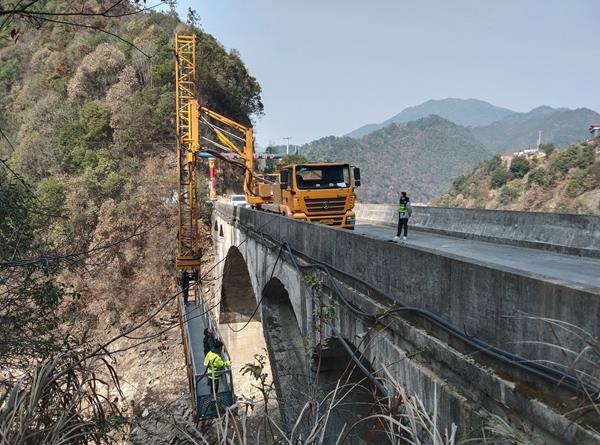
(194, 318)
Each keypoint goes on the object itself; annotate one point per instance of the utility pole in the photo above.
(287, 147)
(539, 139)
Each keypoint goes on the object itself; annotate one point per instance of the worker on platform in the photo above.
(404, 213)
(210, 342)
(214, 365)
(185, 286)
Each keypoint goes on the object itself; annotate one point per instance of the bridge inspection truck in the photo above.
(320, 192)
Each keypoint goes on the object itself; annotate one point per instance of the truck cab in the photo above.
(317, 192)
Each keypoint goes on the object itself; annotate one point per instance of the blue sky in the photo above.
(327, 67)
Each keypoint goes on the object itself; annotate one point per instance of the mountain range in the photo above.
(466, 112)
(424, 148)
(500, 129)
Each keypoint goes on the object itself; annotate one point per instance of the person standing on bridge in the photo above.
(404, 213)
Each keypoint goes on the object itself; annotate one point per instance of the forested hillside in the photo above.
(421, 157)
(519, 131)
(566, 181)
(87, 184)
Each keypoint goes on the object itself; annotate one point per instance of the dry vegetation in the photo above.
(565, 181)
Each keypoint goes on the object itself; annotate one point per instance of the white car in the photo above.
(239, 201)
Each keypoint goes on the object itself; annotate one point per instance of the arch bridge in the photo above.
(471, 335)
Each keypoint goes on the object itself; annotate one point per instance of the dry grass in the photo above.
(65, 400)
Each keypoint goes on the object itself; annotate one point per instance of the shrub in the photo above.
(493, 164)
(519, 167)
(508, 194)
(460, 183)
(548, 149)
(537, 176)
(594, 171)
(575, 187)
(565, 160)
(585, 157)
(500, 177)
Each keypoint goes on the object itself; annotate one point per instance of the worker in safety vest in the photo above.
(404, 213)
(214, 363)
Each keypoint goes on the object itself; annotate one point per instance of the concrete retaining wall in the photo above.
(564, 233)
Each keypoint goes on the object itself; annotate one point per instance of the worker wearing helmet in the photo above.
(214, 364)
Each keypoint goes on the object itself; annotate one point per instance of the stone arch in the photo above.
(287, 349)
(357, 395)
(240, 326)
(238, 303)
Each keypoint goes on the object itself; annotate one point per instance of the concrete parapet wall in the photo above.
(564, 233)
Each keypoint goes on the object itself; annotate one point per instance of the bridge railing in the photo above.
(563, 233)
(195, 318)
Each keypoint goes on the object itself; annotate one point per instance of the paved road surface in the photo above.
(568, 269)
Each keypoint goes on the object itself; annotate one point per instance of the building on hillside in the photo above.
(508, 155)
(595, 130)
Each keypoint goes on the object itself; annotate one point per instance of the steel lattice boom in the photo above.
(188, 256)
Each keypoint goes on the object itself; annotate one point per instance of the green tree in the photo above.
(565, 160)
(460, 183)
(519, 166)
(586, 156)
(548, 149)
(537, 176)
(508, 194)
(493, 164)
(500, 176)
(30, 294)
(294, 159)
(575, 187)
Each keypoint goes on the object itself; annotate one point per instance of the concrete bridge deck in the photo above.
(566, 270)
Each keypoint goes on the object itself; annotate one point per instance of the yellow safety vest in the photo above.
(214, 363)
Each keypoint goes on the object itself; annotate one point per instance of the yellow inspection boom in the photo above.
(188, 252)
(239, 140)
(195, 315)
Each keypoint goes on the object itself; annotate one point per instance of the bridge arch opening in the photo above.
(238, 303)
(287, 350)
(239, 322)
(356, 396)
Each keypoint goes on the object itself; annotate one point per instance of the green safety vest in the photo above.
(214, 363)
(402, 208)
